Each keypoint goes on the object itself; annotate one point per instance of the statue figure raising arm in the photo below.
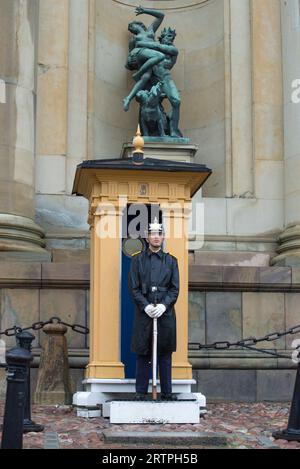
(140, 58)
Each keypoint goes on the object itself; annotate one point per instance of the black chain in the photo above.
(36, 326)
(220, 345)
(264, 351)
(245, 343)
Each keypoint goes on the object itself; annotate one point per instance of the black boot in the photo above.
(168, 397)
(140, 396)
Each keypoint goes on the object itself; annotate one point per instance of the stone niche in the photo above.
(199, 74)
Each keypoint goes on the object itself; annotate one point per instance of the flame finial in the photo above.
(138, 142)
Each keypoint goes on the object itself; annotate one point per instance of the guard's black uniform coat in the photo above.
(154, 269)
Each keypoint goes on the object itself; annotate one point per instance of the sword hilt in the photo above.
(154, 290)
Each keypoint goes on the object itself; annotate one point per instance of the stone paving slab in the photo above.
(246, 425)
(51, 440)
(182, 438)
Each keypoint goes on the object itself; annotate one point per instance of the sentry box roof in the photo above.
(194, 174)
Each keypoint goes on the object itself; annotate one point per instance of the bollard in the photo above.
(24, 340)
(53, 384)
(17, 360)
(292, 433)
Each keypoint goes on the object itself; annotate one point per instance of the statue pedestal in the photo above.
(164, 149)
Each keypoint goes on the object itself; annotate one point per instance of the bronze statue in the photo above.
(152, 117)
(154, 61)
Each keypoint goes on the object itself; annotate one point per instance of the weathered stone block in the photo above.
(65, 271)
(226, 385)
(223, 316)
(263, 313)
(240, 274)
(292, 315)
(296, 275)
(214, 255)
(196, 317)
(205, 274)
(19, 307)
(71, 255)
(281, 275)
(70, 306)
(275, 385)
(20, 271)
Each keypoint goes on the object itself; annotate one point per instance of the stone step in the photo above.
(183, 438)
(51, 440)
(154, 412)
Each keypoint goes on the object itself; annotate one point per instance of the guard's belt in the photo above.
(161, 288)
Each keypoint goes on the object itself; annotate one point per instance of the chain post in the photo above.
(292, 433)
(17, 360)
(24, 339)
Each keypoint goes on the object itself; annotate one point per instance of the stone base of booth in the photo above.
(100, 391)
(182, 371)
(108, 370)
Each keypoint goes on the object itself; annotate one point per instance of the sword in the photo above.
(154, 351)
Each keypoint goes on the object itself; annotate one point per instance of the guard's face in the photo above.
(155, 239)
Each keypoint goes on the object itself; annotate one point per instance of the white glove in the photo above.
(159, 310)
(150, 310)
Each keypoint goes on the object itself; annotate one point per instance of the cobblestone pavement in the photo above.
(247, 425)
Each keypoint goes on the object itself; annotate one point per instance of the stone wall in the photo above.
(225, 303)
(31, 292)
(228, 303)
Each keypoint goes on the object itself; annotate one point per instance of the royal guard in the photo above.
(154, 284)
